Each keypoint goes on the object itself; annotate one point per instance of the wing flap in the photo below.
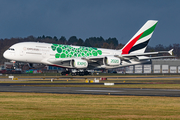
(158, 57)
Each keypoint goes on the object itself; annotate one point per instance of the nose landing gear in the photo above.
(65, 72)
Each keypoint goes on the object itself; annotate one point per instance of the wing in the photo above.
(77, 62)
(103, 61)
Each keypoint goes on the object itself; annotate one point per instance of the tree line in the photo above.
(99, 42)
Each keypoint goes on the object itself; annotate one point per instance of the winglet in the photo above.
(170, 52)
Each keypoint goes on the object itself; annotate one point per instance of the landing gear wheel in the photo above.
(86, 73)
(63, 73)
(73, 74)
(81, 73)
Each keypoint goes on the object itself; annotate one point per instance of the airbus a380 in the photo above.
(84, 58)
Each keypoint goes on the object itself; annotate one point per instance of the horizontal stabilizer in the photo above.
(158, 57)
(170, 52)
(144, 54)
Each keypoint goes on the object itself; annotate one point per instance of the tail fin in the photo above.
(138, 43)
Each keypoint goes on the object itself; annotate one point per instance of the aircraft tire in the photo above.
(81, 73)
(73, 74)
(62, 73)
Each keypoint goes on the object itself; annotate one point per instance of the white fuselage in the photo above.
(35, 52)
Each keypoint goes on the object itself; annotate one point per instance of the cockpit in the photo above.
(12, 49)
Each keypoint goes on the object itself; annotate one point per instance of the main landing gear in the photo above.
(80, 73)
(76, 72)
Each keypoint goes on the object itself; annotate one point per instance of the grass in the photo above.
(63, 106)
(66, 106)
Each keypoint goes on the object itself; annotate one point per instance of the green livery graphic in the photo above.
(67, 51)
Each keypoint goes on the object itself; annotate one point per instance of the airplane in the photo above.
(77, 60)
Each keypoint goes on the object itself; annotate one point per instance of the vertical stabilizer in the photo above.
(138, 43)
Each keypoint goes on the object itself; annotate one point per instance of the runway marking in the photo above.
(99, 91)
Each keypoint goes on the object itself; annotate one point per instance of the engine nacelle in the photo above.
(112, 61)
(79, 63)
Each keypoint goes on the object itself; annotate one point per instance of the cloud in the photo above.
(84, 18)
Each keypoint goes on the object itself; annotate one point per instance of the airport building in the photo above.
(158, 66)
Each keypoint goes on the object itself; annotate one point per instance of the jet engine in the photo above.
(79, 63)
(112, 61)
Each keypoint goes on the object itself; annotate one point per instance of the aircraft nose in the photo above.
(6, 55)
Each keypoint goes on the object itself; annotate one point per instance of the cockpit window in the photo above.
(11, 49)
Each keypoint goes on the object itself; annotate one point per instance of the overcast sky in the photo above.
(90, 18)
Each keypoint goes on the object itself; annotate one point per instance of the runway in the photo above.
(70, 78)
(37, 87)
(11, 87)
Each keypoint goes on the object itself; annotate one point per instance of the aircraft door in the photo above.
(44, 54)
(22, 51)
